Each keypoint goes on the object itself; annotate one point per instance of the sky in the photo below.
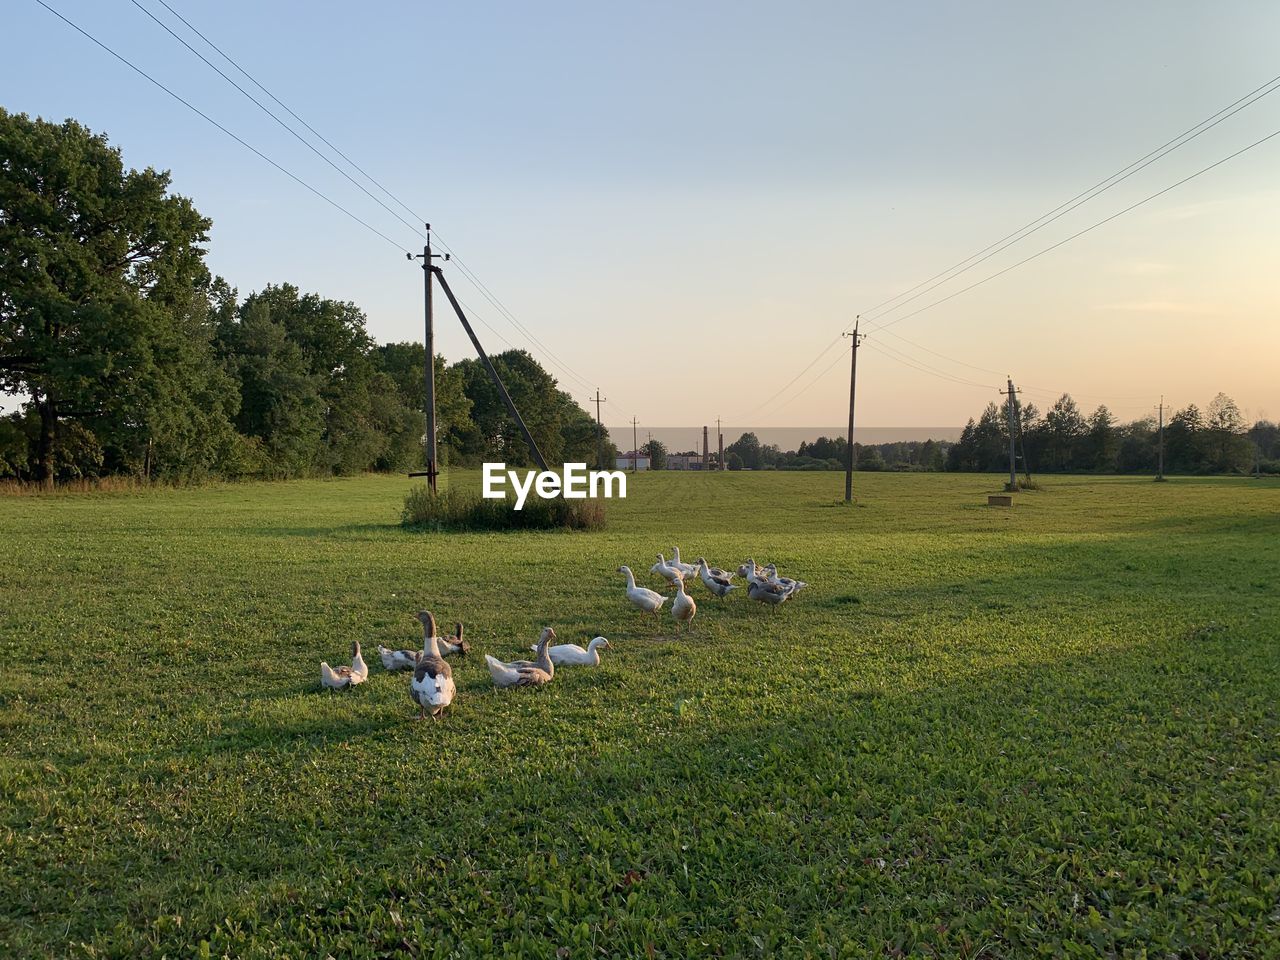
(686, 203)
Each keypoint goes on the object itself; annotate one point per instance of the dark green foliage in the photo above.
(457, 509)
(657, 452)
(102, 312)
(563, 431)
(1065, 441)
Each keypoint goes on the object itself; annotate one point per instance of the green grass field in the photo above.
(1045, 731)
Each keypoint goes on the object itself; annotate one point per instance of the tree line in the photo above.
(133, 359)
(1215, 440)
(824, 453)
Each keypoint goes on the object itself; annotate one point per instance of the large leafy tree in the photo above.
(405, 364)
(1226, 445)
(101, 274)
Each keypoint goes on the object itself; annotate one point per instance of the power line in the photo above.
(285, 107)
(1081, 198)
(466, 271)
(926, 368)
(261, 106)
(1081, 233)
(821, 353)
(194, 109)
(805, 389)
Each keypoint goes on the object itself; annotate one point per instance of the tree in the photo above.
(733, 461)
(747, 447)
(405, 364)
(280, 404)
(100, 269)
(1227, 448)
(869, 458)
(656, 451)
(1103, 441)
(1184, 441)
(1063, 428)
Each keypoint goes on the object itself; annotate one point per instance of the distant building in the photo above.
(684, 461)
(635, 459)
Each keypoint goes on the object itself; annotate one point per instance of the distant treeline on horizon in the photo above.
(786, 438)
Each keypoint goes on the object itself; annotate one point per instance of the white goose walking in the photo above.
(642, 597)
(672, 574)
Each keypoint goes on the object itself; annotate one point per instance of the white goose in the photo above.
(719, 585)
(752, 571)
(771, 574)
(563, 654)
(682, 607)
(432, 687)
(524, 673)
(671, 573)
(344, 677)
(642, 597)
(686, 569)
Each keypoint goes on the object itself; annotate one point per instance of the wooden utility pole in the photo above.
(853, 383)
(635, 445)
(429, 372)
(1013, 457)
(493, 373)
(1160, 447)
(599, 434)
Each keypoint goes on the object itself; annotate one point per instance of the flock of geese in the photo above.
(432, 688)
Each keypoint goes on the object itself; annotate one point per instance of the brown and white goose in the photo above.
(455, 643)
(717, 583)
(432, 687)
(765, 592)
(344, 677)
(408, 659)
(524, 673)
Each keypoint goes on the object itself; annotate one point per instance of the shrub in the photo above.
(462, 510)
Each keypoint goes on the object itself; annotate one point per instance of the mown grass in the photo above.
(1045, 731)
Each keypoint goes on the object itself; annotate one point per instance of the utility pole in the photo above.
(853, 383)
(429, 341)
(1160, 460)
(599, 434)
(1013, 457)
(635, 446)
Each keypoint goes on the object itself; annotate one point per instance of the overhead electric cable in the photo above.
(1081, 233)
(284, 106)
(265, 109)
(194, 109)
(1079, 199)
(466, 271)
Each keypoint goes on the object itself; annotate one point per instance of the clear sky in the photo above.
(686, 201)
